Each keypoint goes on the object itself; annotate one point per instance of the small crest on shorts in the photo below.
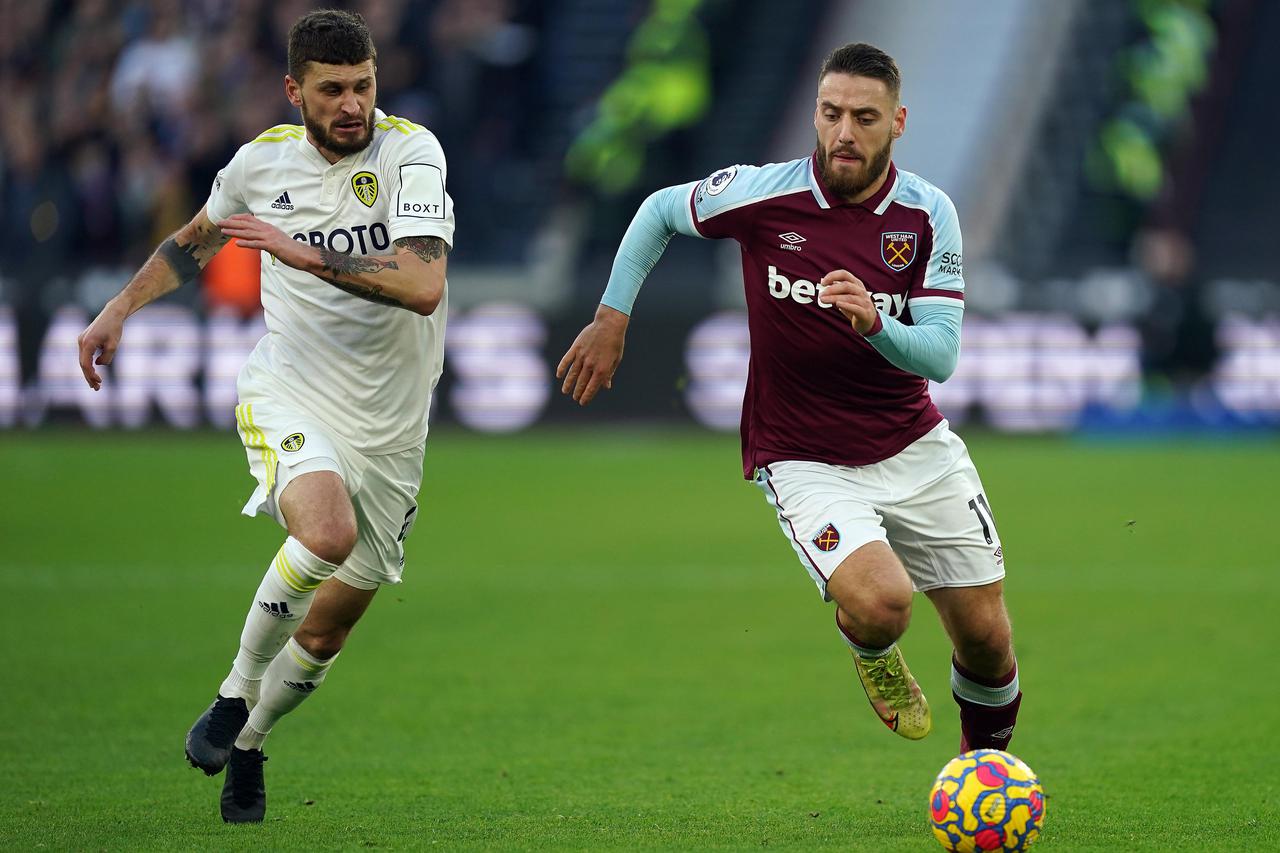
(365, 185)
(828, 538)
(293, 442)
(898, 249)
(1000, 556)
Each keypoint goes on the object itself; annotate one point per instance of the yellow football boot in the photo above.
(894, 694)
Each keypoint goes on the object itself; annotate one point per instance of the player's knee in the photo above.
(332, 542)
(322, 644)
(889, 612)
(889, 602)
(988, 645)
(882, 608)
(881, 614)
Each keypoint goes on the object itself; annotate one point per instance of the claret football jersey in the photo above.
(364, 369)
(816, 390)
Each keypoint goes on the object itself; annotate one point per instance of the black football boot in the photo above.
(210, 739)
(244, 793)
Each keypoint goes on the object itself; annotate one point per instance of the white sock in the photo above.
(993, 693)
(279, 606)
(292, 677)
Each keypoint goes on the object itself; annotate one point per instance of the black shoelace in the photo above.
(225, 722)
(246, 782)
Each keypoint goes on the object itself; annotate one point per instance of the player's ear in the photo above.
(899, 121)
(293, 90)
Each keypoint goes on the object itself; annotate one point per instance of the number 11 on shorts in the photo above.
(982, 519)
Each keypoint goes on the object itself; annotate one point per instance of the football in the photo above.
(986, 800)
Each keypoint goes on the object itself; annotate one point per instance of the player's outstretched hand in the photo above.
(252, 233)
(846, 291)
(596, 353)
(101, 339)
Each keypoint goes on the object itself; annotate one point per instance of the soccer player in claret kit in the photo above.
(350, 214)
(852, 270)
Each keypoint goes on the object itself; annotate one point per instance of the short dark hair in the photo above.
(864, 60)
(330, 36)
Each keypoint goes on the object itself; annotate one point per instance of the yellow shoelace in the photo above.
(886, 674)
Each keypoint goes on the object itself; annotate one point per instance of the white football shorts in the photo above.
(283, 444)
(926, 503)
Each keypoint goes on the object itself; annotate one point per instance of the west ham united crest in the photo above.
(828, 538)
(365, 185)
(898, 249)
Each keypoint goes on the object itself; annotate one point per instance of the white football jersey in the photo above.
(364, 369)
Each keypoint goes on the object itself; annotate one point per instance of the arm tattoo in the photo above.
(190, 250)
(369, 293)
(340, 263)
(427, 248)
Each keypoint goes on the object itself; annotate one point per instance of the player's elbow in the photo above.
(427, 298)
(941, 370)
(424, 304)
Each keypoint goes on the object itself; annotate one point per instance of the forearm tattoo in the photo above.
(190, 250)
(428, 248)
(370, 292)
(340, 263)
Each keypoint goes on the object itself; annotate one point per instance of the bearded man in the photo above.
(350, 215)
(854, 289)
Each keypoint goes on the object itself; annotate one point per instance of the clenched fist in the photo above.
(846, 291)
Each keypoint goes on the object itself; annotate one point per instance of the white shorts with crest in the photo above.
(926, 503)
(283, 444)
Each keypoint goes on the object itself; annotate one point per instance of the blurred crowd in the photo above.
(120, 112)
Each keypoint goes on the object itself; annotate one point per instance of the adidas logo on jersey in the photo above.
(283, 203)
(280, 610)
(301, 686)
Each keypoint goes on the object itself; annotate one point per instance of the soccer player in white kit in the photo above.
(350, 213)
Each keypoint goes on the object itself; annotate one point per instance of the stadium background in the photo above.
(1119, 384)
(1105, 160)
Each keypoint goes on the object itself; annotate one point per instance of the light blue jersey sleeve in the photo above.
(663, 214)
(930, 348)
(720, 206)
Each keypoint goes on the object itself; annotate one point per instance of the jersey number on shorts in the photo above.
(408, 523)
(982, 519)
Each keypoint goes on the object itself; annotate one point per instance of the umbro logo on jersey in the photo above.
(1002, 734)
(792, 238)
(283, 203)
(280, 609)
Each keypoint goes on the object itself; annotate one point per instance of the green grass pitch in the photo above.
(605, 642)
